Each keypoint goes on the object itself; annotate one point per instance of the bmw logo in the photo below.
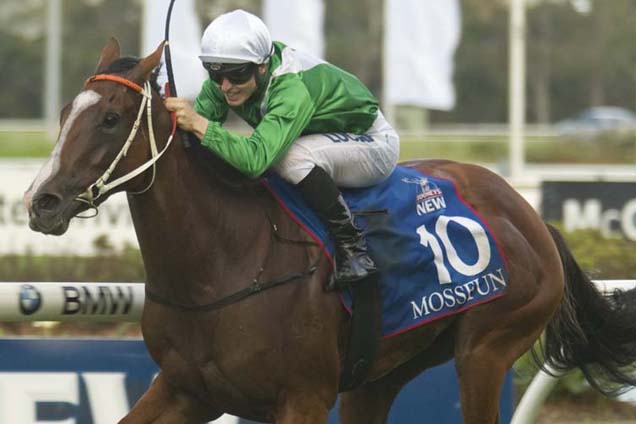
(30, 299)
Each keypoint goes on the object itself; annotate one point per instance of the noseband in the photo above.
(102, 186)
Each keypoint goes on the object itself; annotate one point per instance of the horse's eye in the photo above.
(110, 120)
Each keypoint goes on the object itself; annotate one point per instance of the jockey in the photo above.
(314, 124)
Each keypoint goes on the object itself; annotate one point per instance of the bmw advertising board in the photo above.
(71, 302)
(30, 299)
(97, 381)
(609, 207)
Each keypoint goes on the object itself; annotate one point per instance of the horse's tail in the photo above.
(591, 331)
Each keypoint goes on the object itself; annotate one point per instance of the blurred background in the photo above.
(580, 53)
(541, 91)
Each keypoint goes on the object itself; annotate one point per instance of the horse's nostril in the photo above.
(46, 202)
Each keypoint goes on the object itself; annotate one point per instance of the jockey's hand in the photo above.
(187, 118)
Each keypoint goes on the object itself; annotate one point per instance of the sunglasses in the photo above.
(235, 74)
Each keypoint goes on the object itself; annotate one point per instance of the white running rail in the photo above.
(543, 383)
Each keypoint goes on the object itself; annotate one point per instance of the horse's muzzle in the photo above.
(46, 214)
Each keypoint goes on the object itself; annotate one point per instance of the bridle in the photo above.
(102, 186)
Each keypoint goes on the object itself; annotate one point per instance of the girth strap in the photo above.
(365, 333)
(253, 289)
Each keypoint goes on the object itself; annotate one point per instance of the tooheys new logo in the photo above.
(30, 299)
(430, 199)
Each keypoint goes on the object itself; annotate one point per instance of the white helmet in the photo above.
(236, 37)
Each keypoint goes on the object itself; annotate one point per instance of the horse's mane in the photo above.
(124, 64)
(219, 170)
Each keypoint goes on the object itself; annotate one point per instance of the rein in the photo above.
(167, 54)
(171, 87)
(102, 186)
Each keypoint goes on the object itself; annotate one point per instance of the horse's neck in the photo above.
(193, 231)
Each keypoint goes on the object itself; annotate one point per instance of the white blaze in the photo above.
(82, 102)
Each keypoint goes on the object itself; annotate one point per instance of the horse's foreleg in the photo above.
(162, 404)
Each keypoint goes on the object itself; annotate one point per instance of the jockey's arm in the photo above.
(208, 106)
(187, 118)
(289, 110)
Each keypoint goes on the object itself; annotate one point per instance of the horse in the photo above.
(206, 232)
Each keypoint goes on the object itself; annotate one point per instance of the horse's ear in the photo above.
(110, 53)
(145, 67)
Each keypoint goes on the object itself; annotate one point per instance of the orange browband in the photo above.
(115, 78)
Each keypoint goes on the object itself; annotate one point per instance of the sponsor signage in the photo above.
(430, 199)
(113, 220)
(609, 207)
(71, 301)
(71, 381)
(98, 381)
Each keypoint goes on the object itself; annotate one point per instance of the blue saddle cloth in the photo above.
(435, 255)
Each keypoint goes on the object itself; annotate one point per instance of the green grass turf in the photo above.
(462, 148)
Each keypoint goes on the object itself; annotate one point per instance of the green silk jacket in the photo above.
(299, 95)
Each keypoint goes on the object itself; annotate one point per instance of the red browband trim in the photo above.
(115, 78)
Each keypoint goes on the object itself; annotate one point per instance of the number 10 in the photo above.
(441, 229)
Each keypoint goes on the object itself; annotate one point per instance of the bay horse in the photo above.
(206, 232)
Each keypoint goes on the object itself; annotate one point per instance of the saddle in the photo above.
(435, 255)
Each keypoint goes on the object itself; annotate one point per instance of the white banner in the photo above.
(299, 24)
(113, 221)
(419, 44)
(185, 43)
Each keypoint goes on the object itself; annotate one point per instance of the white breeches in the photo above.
(351, 160)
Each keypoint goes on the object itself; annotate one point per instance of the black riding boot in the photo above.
(352, 259)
